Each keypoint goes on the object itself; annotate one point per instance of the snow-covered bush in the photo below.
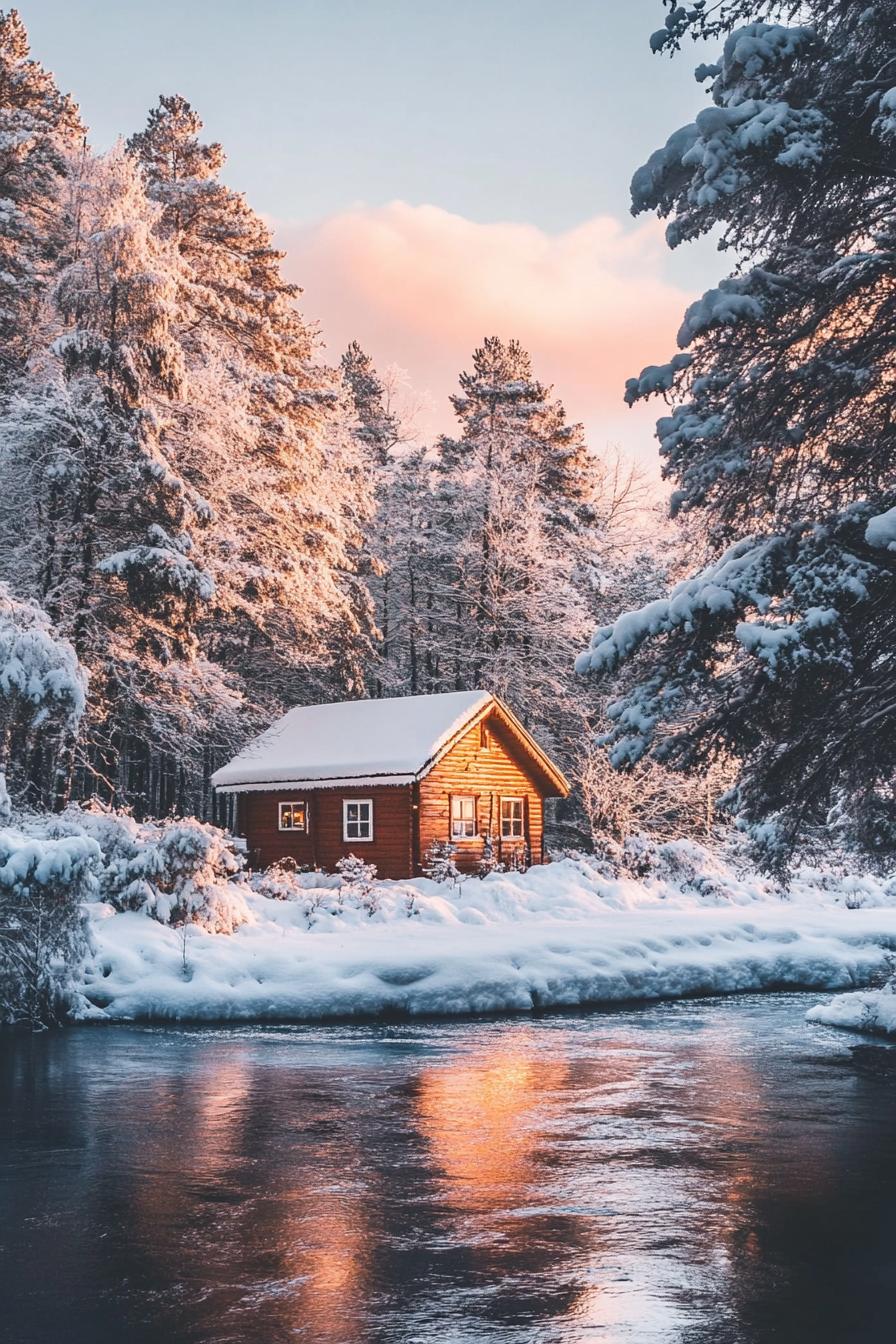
(42, 927)
(488, 860)
(359, 881)
(438, 862)
(690, 868)
(278, 882)
(178, 871)
(42, 684)
(311, 888)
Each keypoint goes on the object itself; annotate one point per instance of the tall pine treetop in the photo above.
(40, 130)
(170, 149)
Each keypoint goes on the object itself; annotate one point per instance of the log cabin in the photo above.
(384, 779)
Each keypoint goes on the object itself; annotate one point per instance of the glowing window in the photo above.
(293, 816)
(463, 817)
(511, 818)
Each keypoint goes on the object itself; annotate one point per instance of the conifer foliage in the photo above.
(780, 434)
(40, 133)
(183, 497)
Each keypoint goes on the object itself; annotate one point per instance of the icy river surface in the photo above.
(705, 1172)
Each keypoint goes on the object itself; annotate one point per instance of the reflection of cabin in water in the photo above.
(383, 779)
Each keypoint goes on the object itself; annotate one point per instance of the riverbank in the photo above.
(556, 937)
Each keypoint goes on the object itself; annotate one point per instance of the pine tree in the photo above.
(378, 427)
(516, 515)
(389, 558)
(99, 522)
(289, 505)
(39, 131)
(42, 698)
(780, 438)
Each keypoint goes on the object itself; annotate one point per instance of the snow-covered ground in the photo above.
(560, 935)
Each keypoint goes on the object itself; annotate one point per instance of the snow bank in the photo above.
(873, 1011)
(561, 935)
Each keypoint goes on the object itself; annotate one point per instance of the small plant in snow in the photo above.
(488, 861)
(359, 881)
(278, 881)
(854, 897)
(518, 859)
(183, 934)
(439, 863)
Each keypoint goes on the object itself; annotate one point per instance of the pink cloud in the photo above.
(421, 287)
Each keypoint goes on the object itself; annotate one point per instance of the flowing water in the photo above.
(714, 1171)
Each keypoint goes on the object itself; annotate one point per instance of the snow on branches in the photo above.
(779, 437)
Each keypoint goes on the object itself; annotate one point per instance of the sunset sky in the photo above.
(438, 170)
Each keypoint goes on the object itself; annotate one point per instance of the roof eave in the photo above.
(330, 782)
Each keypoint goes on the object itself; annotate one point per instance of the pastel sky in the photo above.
(438, 170)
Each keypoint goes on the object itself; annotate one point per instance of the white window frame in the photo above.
(511, 820)
(293, 830)
(463, 821)
(357, 839)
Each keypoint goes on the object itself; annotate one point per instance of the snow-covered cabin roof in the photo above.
(356, 742)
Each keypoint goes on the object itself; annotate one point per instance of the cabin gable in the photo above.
(487, 766)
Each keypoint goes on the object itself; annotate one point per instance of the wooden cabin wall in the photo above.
(489, 775)
(323, 846)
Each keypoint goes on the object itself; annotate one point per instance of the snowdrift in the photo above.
(558, 936)
(873, 1012)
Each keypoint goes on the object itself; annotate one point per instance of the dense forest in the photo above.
(205, 520)
(207, 516)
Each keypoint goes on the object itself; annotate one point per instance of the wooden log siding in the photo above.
(488, 775)
(323, 846)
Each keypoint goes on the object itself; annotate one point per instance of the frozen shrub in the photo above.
(438, 863)
(178, 871)
(42, 926)
(853, 897)
(42, 688)
(488, 861)
(278, 882)
(287, 881)
(359, 882)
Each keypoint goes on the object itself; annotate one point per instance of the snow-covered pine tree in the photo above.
(377, 424)
(780, 439)
(43, 883)
(42, 699)
(517, 514)
(40, 131)
(274, 454)
(393, 557)
(98, 521)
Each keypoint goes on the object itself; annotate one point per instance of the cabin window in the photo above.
(357, 819)
(511, 818)
(463, 817)
(293, 816)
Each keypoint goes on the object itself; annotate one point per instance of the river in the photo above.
(704, 1172)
